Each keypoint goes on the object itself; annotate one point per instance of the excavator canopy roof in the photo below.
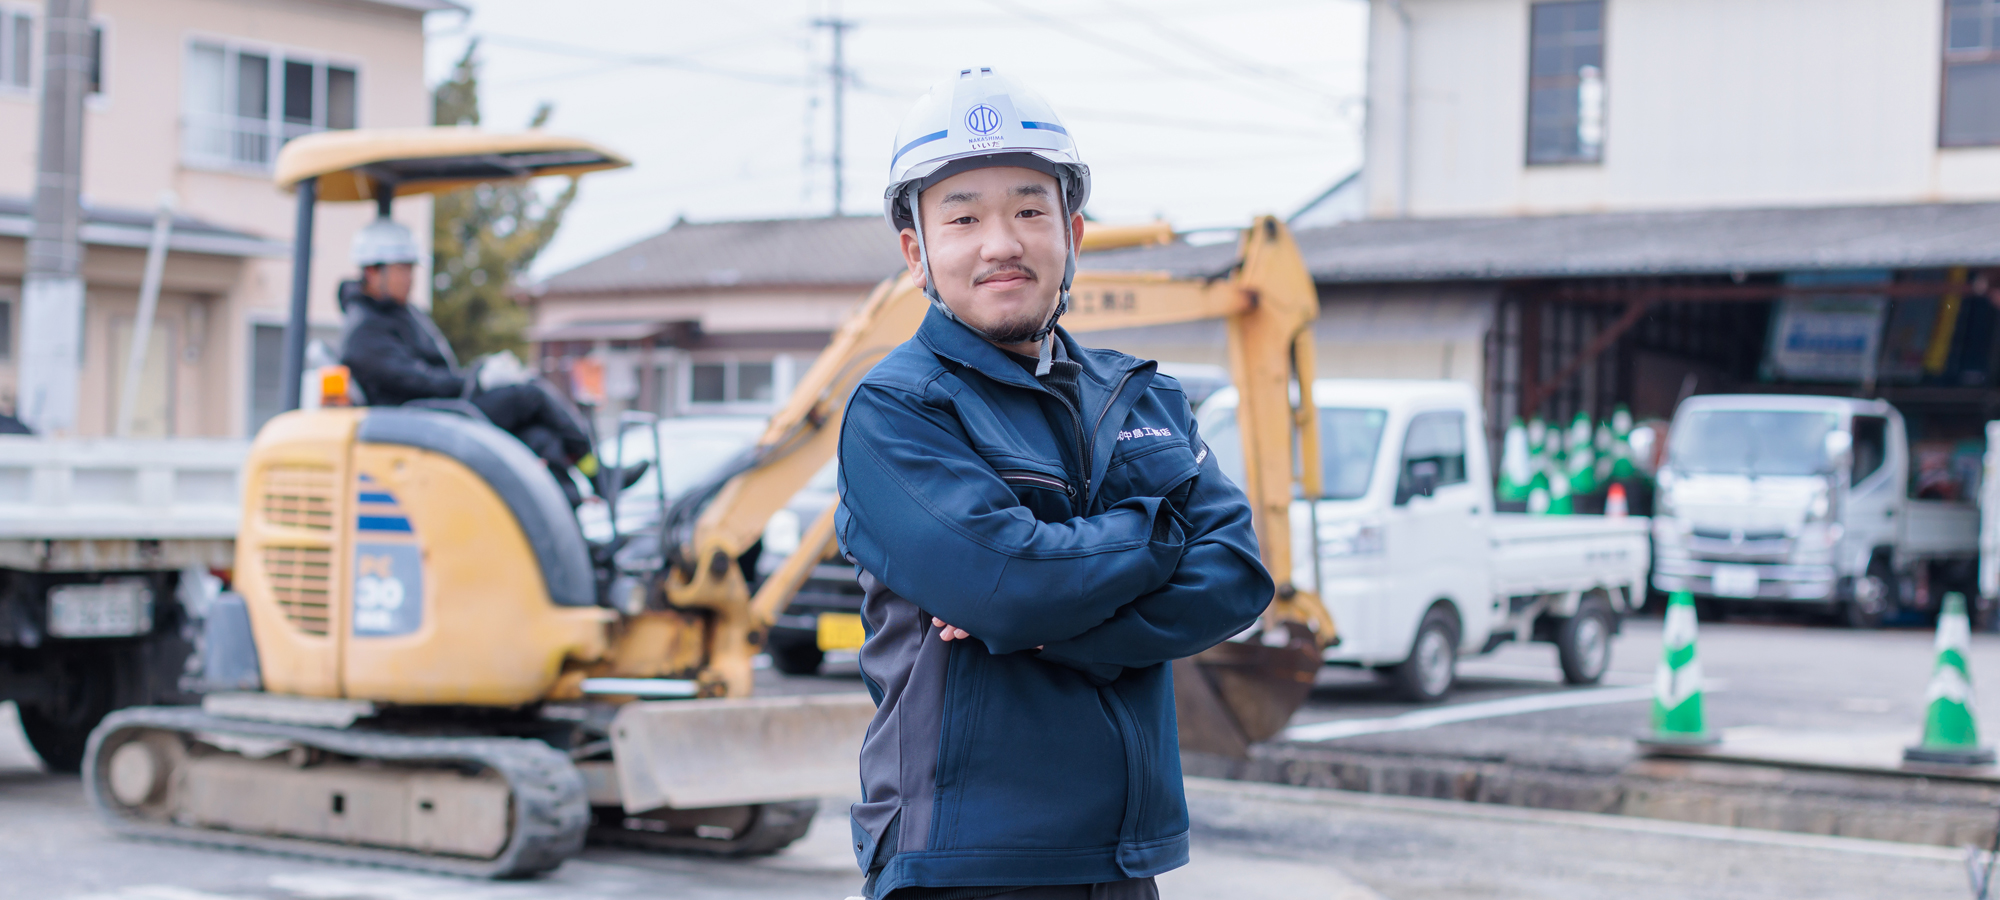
(349, 164)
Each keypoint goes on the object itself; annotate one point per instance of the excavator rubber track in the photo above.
(546, 817)
(735, 831)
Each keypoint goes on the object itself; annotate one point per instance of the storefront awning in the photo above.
(1684, 242)
(596, 331)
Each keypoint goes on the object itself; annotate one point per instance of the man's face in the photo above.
(997, 249)
(391, 281)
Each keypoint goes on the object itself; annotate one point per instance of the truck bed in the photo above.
(119, 490)
(1558, 554)
(1940, 528)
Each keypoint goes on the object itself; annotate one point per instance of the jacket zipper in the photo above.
(1082, 447)
(1086, 443)
(1039, 480)
(1090, 447)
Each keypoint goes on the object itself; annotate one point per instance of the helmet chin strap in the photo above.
(1045, 335)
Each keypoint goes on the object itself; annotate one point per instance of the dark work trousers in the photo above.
(533, 414)
(1129, 889)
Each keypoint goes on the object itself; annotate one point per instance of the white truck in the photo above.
(106, 554)
(1783, 499)
(1412, 559)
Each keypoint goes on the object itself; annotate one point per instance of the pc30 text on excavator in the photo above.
(434, 670)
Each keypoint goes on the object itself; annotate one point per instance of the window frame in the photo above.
(8, 12)
(1528, 105)
(1405, 485)
(784, 373)
(277, 129)
(1990, 55)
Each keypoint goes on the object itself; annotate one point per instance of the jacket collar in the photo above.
(953, 341)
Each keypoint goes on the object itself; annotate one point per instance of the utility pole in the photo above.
(838, 70)
(52, 292)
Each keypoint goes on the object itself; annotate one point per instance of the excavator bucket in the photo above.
(693, 754)
(1239, 693)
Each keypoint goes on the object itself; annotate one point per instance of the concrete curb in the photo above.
(1902, 809)
(1455, 809)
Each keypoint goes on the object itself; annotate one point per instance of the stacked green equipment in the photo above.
(1516, 472)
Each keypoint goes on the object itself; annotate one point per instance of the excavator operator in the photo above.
(1040, 531)
(397, 355)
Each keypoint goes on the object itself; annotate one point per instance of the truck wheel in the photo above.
(1871, 597)
(795, 654)
(1427, 676)
(79, 699)
(1583, 644)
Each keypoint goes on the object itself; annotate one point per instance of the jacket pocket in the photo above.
(874, 826)
(1164, 470)
(1047, 496)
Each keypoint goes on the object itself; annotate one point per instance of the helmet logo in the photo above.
(982, 120)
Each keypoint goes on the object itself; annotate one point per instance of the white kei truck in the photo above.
(106, 554)
(1414, 562)
(1803, 501)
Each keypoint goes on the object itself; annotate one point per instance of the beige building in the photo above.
(194, 97)
(711, 317)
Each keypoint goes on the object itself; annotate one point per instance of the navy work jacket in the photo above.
(1084, 549)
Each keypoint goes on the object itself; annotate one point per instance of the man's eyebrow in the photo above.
(959, 197)
(1030, 190)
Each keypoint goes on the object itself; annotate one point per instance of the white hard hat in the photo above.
(984, 119)
(384, 242)
(976, 120)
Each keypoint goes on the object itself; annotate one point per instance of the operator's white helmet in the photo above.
(975, 120)
(384, 242)
(973, 117)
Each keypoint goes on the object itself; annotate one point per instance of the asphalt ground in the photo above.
(1251, 840)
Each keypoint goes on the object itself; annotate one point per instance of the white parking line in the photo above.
(1467, 712)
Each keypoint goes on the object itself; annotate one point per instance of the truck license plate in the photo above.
(840, 631)
(110, 609)
(1736, 581)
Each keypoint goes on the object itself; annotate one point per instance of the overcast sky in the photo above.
(1204, 113)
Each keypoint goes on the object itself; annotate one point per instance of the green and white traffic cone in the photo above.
(1582, 457)
(1951, 731)
(1622, 465)
(1606, 447)
(1560, 501)
(1515, 475)
(1677, 710)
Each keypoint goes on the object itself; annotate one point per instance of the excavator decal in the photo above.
(388, 565)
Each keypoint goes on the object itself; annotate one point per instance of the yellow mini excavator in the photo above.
(442, 679)
(433, 669)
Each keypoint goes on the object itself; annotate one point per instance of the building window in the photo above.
(243, 103)
(267, 364)
(722, 384)
(6, 328)
(1971, 104)
(17, 48)
(96, 58)
(1566, 82)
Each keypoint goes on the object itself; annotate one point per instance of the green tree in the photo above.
(483, 238)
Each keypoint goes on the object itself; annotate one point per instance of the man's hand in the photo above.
(950, 633)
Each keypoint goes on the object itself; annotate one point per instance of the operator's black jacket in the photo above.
(394, 351)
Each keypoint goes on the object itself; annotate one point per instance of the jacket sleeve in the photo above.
(1218, 589)
(925, 514)
(389, 371)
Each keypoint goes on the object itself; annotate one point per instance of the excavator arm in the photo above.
(1268, 303)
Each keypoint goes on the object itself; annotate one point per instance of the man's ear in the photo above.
(1076, 232)
(913, 256)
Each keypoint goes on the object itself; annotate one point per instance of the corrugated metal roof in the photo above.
(850, 251)
(1682, 242)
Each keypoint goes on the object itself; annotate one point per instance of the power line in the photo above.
(1224, 58)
